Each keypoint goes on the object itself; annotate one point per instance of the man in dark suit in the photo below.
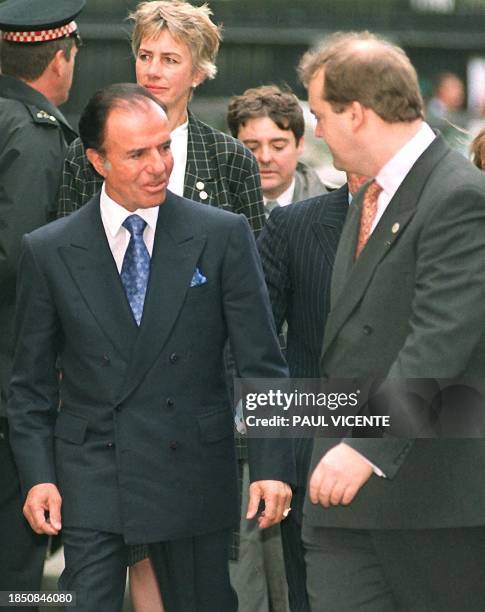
(135, 294)
(37, 71)
(270, 122)
(397, 524)
(297, 249)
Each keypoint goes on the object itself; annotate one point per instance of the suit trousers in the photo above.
(22, 551)
(423, 570)
(294, 556)
(193, 573)
(291, 531)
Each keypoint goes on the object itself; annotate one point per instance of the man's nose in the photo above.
(264, 155)
(159, 161)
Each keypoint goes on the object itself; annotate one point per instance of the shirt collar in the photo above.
(285, 198)
(179, 130)
(113, 214)
(394, 172)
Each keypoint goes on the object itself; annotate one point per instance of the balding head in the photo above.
(360, 67)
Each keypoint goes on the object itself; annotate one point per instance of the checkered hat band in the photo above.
(40, 35)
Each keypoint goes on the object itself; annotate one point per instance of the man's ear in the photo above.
(57, 63)
(357, 114)
(98, 161)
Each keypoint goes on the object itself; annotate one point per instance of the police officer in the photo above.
(37, 53)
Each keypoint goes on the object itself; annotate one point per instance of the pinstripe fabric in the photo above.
(297, 248)
(223, 165)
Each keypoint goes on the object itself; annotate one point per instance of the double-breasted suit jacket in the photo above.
(413, 306)
(220, 171)
(143, 442)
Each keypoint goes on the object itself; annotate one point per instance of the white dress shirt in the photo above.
(113, 216)
(179, 144)
(285, 198)
(397, 168)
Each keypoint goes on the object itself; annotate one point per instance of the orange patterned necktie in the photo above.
(367, 216)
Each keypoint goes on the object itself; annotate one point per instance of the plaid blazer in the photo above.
(217, 164)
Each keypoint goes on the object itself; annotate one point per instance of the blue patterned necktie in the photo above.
(135, 270)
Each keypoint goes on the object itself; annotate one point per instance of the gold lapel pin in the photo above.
(395, 228)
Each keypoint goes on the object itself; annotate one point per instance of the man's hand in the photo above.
(277, 498)
(339, 476)
(41, 499)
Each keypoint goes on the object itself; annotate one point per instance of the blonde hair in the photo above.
(189, 24)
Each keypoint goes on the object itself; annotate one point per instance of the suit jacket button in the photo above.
(170, 403)
(106, 359)
(118, 408)
(110, 445)
(173, 444)
(174, 358)
(367, 330)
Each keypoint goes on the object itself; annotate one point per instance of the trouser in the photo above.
(22, 551)
(420, 570)
(192, 572)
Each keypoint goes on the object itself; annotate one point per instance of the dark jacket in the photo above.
(33, 137)
(413, 306)
(143, 444)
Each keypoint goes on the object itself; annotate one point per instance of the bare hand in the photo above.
(277, 499)
(44, 498)
(339, 476)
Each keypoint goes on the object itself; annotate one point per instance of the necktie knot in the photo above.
(135, 225)
(269, 206)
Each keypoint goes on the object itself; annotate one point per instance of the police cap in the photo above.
(31, 21)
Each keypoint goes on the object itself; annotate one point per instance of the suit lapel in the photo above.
(198, 168)
(93, 269)
(176, 252)
(329, 220)
(351, 278)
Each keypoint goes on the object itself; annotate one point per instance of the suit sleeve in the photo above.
(30, 167)
(447, 322)
(34, 398)
(273, 250)
(254, 343)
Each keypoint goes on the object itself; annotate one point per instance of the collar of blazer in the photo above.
(351, 278)
(176, 251)
(329, 212)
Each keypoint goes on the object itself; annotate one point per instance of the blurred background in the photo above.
(264, 40)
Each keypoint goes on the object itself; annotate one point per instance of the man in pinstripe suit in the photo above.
(270, 122)
(297, 248)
